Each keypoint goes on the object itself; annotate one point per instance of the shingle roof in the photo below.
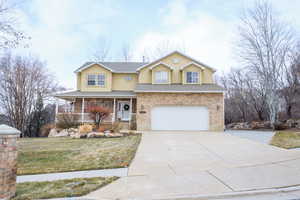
(203, 88)
(95, 94)
(127, 67)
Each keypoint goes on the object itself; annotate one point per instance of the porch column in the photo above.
(73, 105)
(114, 111)
(82, 110)
(130, 112)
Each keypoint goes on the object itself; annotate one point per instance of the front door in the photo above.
(124, 110)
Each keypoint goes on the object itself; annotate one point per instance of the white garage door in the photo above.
(179, 118)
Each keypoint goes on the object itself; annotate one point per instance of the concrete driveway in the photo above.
(171, 165)
(258, 136)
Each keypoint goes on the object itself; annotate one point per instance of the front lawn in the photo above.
(286, 139)
(48, 155)
(62, 188)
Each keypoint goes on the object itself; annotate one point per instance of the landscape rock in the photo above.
(249, 125)
(95, 135)
(260, 125)
(113, 135)
(129, 132)
(62, 133)
(239, 125)
(75, 136)
(52, 132)
(293, 123)
(107, 133)
(290, 123)
(124, 131)
(73, 129)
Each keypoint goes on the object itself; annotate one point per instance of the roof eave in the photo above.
(94, 63)
(192, 63)
(161, 63)
(178, 91)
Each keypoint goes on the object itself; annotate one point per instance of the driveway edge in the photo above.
(233, 195)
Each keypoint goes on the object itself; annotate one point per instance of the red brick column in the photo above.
(8, 161)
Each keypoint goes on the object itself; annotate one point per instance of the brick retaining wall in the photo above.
(8, 164)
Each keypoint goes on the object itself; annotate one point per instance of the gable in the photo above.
(176, 58)
(95, 68)
(87, 66)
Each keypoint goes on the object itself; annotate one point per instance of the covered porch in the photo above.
(122, 105)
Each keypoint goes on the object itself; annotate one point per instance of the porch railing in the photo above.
(85, 117)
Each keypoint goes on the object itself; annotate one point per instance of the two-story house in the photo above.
(175, 92)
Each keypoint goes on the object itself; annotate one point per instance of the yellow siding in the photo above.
(78, 81)
(207, 76)
(145, 75)
(191, 68)
(161, 68)
(119, 81)
(96, 69)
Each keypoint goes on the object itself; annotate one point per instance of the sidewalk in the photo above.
(120, 172)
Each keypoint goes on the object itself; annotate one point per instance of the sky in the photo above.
(66, 33)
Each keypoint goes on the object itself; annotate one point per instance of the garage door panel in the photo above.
(179, 118)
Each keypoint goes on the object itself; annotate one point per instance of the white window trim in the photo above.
(96, 80)
(161, 81)
(194, 79)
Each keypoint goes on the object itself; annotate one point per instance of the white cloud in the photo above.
(205, 37)
(209, 35)
(63, 30)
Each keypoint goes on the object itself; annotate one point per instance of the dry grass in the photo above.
(48, 155)
(61, 188)
(286, 139)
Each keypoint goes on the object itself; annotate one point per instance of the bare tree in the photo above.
(10, 35)
(101, 50)
(23, 82)
(263, 48)
(126, 52)
(291, 82)
(244, 100)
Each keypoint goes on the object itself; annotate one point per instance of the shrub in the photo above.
(133, 123)
(86, 128)
(67, 120)
(116, 126)
(98, 113)
(45, 130)
(101, 129)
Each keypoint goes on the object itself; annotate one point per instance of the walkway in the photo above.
(120, 172)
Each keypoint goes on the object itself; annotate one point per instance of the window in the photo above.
(161, 77)
(192, 77)
(96, 79)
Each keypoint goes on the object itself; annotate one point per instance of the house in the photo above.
(175, 92)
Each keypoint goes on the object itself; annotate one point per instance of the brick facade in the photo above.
(8, 165)
(213, 101)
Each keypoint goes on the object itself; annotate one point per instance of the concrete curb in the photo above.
(232, 195)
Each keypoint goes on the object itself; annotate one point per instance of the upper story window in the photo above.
(161, 77)
(192, 77)
(96, 80)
